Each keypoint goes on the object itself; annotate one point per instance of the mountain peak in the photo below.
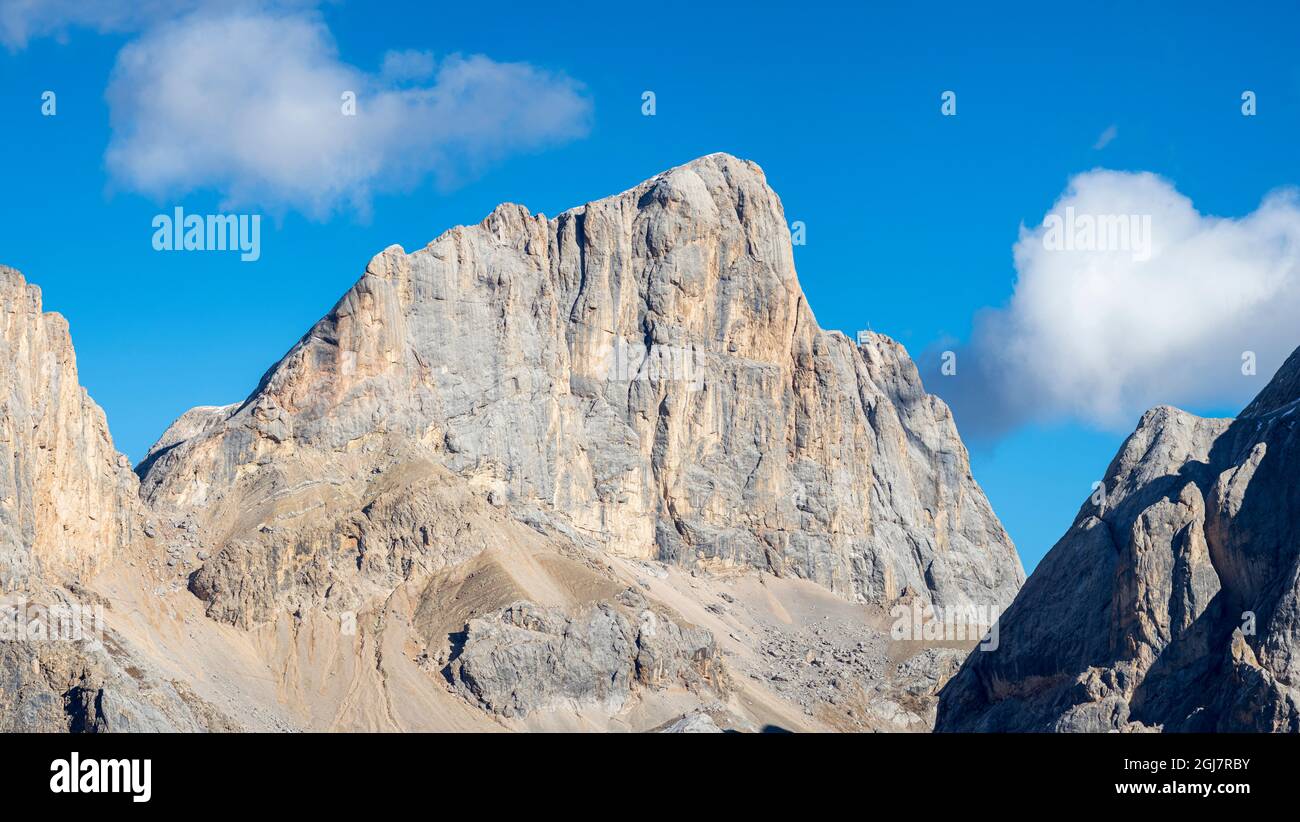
(615, 438)
(1281, 391)
(645, 369)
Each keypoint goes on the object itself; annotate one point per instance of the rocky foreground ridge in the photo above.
(1173, 602)
(597, 471)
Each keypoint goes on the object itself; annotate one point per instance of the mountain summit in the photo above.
(590, 471)
(643, 374)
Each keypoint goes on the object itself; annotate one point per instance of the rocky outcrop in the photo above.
(643, 373)
(1173, 602)
(528, 658)
(92, 685)
(67, 498)
(69, 509)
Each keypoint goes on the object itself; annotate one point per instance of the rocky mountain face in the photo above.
(1173, 602)
(67, 498)
(643, 374)
(597, 471)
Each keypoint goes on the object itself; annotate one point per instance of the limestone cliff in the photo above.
(67, 498)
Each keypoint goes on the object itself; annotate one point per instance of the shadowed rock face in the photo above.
(1176, 604)
(642, 374)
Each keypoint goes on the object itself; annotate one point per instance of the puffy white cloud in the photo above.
(1105, 322)
(251, 104)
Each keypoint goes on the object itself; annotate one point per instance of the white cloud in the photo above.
(1106, 137)
(1100, 336)
(250, 104)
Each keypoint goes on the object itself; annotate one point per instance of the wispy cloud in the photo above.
(1099, 336)
(1106, 137)
(22, 21)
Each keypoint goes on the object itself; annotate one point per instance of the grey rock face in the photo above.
(644, 371)
(528, 658)
(1176, 604)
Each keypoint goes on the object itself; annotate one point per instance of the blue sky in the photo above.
(911, 216)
